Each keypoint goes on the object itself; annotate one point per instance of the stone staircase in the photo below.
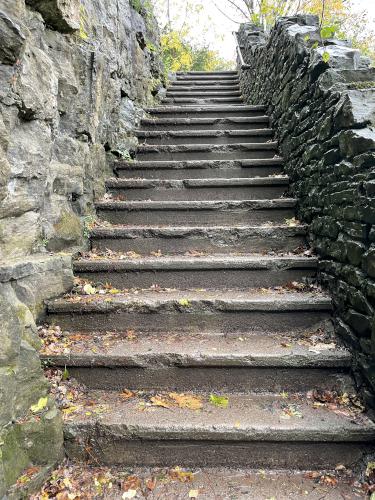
(200, 238)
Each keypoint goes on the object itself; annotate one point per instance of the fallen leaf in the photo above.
(41, 404)
(180, 475)
(220, 401)
(184, 302)
(292, 222)
(289, 412)
(127, 394)
(285, 344)
(321, 346)
(193, 493)
(186, 401)
(328, 480)
(131, 335)
(160, 401)
(151, 484)
(89, 289)
(129, 494)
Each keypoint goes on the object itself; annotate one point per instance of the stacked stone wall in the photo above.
(324, 117)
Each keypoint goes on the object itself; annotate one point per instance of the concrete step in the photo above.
(202, 100)
(204, 83)
(199, 168)
(250, 431)
(192, 311)
(183, 152)
(187, 272)
(224, 123)
(225, 91)
(206, 73)
(201, 213)
(202, 78)
(213, 239)
(199, 189)
(203, 136)
(207, 111)
(202, 362)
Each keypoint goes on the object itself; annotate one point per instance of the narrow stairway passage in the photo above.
(200, 284)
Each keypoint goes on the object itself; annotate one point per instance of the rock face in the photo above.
(73, 78)
(324, 115)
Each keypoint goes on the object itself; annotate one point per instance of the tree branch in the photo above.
(226, 15)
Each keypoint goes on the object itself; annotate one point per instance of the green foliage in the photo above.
(179, 54)
(137, 5)
(325, 56)
(220, 401)
(83, 25)
(143, 7)
(88, 224)
(328, 31)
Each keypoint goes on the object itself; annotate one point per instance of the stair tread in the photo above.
(251, 417)
(181, 230)
(197, 205)
(233, 300)
(208, 121)
(199, 262)
(123, 164)
(154, 351)
(206, 146)
(205, 107)
(201, 182)
(204, 133)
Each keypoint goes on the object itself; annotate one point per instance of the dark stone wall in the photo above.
(323, 115)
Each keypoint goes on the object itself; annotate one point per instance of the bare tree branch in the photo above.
(226, 15)
(238, 8)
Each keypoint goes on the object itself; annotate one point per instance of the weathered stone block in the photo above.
(61, 15)
(355, 108)
(12, 40)
(10, 332)
(355, 142)
(368, 262)
(37, 85)
(360, 323)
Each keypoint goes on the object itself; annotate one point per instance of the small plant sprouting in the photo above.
(88, 223)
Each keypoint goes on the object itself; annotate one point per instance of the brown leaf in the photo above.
(151, 483)
(160, 401)
(127, 394)
(186, 401)
(180, 475)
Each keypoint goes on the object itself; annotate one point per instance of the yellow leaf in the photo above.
(220, 401)
(184, 302)
(41, 404)
(70, 409)
(159, 401)
(129, 494)
(193, 493)
(89, 290)
(180, 475)
(186, 401)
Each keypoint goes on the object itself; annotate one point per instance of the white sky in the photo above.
(216, 29)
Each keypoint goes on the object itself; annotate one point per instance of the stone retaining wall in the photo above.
(323, 115)
(74, 76)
